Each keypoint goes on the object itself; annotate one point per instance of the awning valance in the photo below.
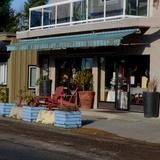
(110, 38)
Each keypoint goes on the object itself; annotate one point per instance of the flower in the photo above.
(64, 79)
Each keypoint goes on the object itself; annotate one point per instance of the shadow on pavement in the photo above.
(86, 122)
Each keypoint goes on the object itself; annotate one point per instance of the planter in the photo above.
(68, 119)
(45, 87)
(5, 108)
(30, 113)
(86, 99)
(151, 104)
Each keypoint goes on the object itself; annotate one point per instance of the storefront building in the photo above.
(119, 40)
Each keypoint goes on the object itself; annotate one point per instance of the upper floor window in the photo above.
(3, 73)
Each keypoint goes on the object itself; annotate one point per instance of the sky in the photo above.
(18, 4)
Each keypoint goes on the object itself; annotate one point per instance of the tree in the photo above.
(24, 15)
(7, 17)
(32, 3)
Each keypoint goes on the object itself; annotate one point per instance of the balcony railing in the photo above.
(73, 12)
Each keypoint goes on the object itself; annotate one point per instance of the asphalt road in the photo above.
(27, 141)
(14, 151)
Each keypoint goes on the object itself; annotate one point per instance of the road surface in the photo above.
(27, 141)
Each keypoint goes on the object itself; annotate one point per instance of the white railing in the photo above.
(74, 12)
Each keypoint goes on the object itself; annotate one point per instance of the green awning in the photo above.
(110, 38)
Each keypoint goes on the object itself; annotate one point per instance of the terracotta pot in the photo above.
(86, 99)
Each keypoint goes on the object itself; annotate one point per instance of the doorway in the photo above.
(122, 80)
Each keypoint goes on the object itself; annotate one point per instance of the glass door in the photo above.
(122, 87)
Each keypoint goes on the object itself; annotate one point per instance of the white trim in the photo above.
(71, 22)
(30, 67)
(124, 8)
(84, 22)
(3, 73)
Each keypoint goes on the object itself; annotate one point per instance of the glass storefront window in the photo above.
(87, 63)
(126, 74)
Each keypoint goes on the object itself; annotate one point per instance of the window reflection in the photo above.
(49, 15)
(79, 10)
(36, 18)
(63, 13)
(95, 9)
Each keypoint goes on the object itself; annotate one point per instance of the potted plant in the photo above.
(30, 108)
(151, 100)
(45, 85)
(5, 107)
(84, 81)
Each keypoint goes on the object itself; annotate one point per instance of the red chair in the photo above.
(69, 101)
(51, 101)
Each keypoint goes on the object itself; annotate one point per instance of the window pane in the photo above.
(32, 76)
(36, 18)
(134, 7)
(49, 15)
(114, 8)
(3, 73)
(142, 8)
(79, 10)
(63, 13)
(131, 7)
(95, 9)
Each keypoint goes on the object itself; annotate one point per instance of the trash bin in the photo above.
(151, 104)
(45, 88)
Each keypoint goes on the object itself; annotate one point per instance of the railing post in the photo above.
(42, 17)
(29, 19)
(104, 9)
(55, 15)
(124, 8)
(148, 8)
(71, 12)
(87, 10)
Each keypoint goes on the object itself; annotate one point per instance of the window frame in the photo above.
(30, 67)
(5, 74)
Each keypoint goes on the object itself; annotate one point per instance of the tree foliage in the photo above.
(23, 17)
(7, 17)
(32, 3)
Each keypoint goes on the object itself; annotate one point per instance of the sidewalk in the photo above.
(125, 124)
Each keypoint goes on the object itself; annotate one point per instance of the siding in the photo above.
(18, 71)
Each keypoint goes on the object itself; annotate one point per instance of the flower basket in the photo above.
(67, 119)
(5, 108)
(30, 113)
